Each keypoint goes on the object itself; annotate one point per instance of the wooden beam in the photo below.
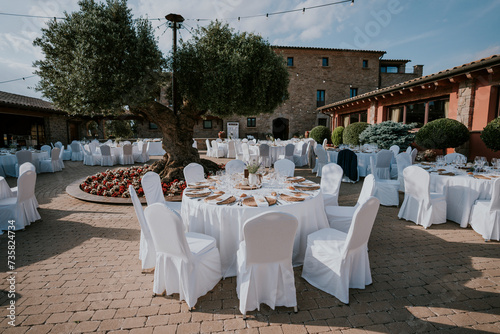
(392, 94)
(468, 75)
(401, 92)
(453, 80)
(423, 87)
(411, 90)
(383, 96)
(436, 83)
(490, 70)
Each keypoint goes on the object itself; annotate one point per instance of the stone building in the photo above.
(469, 93)
(318, 76)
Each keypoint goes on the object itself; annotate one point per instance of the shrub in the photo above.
(337, 135)
(319, 133)
(491, 135)
(388, 133)
(352, 132)
(442, 133)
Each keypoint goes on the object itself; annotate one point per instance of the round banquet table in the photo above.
(225, 222)
(363, 160)
(461, 191)
(8, 161)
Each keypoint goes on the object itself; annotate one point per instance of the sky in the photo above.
(439, 34)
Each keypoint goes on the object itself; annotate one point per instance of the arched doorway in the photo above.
(280, 128)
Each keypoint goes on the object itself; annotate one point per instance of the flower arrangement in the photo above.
(221, 134)
(253, 166)
(114, 183)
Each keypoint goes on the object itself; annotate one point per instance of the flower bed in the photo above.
(114, 183)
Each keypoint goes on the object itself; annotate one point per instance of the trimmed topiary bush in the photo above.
(337, 134)
(442, 133)
(319, 133)
(491, 135)
(352, 132)
(388, 133)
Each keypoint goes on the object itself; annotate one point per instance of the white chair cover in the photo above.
(46, 148)
(321, 160)
(65, 154)
(76, 151)
(403, 160)
(89, 158)
(383, 164)
(485, 215)
(385, 190)
(340, 217)
(231, 149)
(147, 252)
(420, 205)
(23, 156)
(449, 158)
(209, 148)
(300, 159)
(218, 152)
(193, 173)
(22, 208)
(330, 184)
(239, 151)
(289, 148)
(408, 150)
(394, 167)
(127, 158)
(51, 165)
(247, 156)
(195, 144)
(143, 155)
(188, 264)
(336, 261)
(27, 166)
(265, 273)
(413, 154)
(151, 184)
(235, 166)
(285, 167)
(325, 141)
(264, 155)
(61, 156)
(106, 158)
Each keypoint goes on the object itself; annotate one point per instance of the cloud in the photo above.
(489, 51)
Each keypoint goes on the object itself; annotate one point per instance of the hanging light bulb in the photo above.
(267, 16)
(303, 10)
(352, 3)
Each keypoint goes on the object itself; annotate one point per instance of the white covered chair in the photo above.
(106, 158)
(403, 160)
(394, 167)
(61, 156)
(408, 150)
(147, 251)
(485, 215)
(330, 184)
(76, 151)
(239, 151)
(383, 164)
(23, 156)
(51, 165)
(27, 166)
(265, 272)
(22, 208)
(420, 205)
(231, 149)
(340, 217)
(300, 157)
(321, 160)
(193, 173)
(186, 263)
(46, 148)
(90, 158)
(289, 148)
(450, 157)
(235, 166)
(143, 155)
(247, 156)
(325, 141)
(217, 151)
(413, 154)
(264, 155)
(126, 157)
(336, 261)
(195, 144)
(285, 167)
(151, 184)
(65, 154)
(386, 190)
(209, 148)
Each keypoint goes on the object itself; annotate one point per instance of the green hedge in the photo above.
(352, 132)
(491, 135)
(319, 133)
(337, 134)
(388, 133)
(442, 133)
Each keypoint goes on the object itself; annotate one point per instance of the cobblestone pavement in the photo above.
(78, 271)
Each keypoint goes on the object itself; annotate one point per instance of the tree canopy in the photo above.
(99, 59)
(226, 73)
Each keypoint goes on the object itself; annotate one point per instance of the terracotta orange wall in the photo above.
(453, 106)
(482, 107)
(479, 149)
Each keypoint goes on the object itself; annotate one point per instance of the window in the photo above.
(289, 61)
(322, 121)
(415, 113)
(353, 92)
(389, 69)
(437, 109)
(320, 98)
(395, 114)
(207, 124)
(365, 63)
(359, 116)
(153, 126)
(251, 122)
(324, 61)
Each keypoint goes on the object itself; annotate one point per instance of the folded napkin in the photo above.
(260, 200)
(218, 199)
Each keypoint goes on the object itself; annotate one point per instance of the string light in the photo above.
(23, 78)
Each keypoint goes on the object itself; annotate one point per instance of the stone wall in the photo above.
(56, 129)
(465, 105)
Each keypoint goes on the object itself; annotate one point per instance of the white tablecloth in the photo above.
(461, 192)
(5, 189)
(363, 160)
(8, 162)
(225, 222)
(155, 148)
